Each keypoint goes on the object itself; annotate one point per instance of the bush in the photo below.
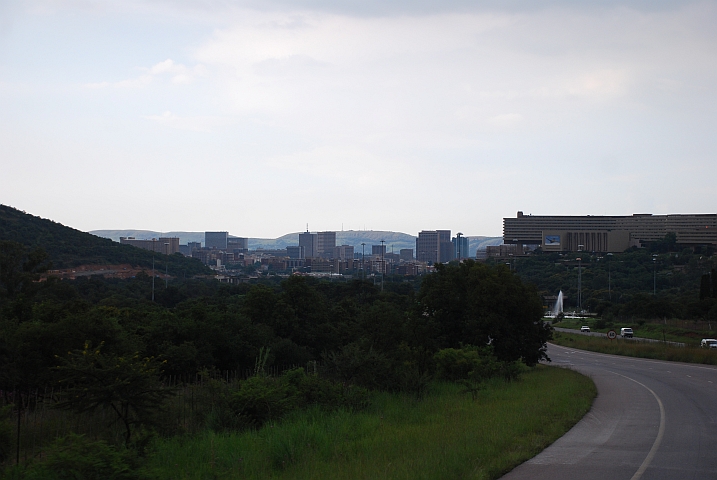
(262, 399)
(474, 364)
(356, 364)
(76, 457)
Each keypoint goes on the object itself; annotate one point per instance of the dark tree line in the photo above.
(358, 333)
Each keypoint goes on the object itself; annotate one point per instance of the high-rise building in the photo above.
(378, 249)
(326, 241)
(445, 246)
(310, 242)
(460, 247)
(427, 246)
(238, 243)
(216, 240)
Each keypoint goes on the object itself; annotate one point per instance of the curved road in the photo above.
(650, 420)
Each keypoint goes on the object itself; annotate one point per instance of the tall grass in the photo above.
(655, 351)
(444, 435)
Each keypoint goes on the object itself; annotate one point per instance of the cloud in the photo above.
(177, 73)
(506, 120)
(195, 124)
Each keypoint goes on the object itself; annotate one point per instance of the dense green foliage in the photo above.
(356, 333)
(639, 283)
(111, 349)
(67, 247)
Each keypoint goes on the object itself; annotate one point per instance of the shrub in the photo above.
(76, 457)
(473, 365)
(262, 399)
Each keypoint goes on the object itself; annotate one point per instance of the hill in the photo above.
(394, 240)
(68, 247)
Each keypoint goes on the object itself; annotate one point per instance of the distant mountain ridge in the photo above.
(394, 241)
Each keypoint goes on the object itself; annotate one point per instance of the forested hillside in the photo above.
(67, 247)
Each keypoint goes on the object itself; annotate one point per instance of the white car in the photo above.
(585, 329)
(626, 332)
(708, 343)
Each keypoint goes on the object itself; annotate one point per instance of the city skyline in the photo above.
(259, 117)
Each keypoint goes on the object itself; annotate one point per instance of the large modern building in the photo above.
(165, 245)
(607, 233)
(310, 242)
(216, 240)
(433, 246)
(325, 244)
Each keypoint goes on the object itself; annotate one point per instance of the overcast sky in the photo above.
(257, 117)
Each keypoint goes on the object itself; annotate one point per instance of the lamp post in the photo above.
(363, 262)
(654, 275)
(166, 265)
(383, 265)
(609, 292)
(580, 281)
(153, 269)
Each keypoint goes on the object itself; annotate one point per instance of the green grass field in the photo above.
(656, 351)
(672, 330)
(445, 435)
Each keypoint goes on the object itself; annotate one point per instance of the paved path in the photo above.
(651, 420)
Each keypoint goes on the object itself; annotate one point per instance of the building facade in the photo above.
(310, 243)
(216, 240)
(607, 233)
(325, 244)
(165, 245)
(427, 246)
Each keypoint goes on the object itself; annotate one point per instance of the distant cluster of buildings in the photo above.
(315, 252)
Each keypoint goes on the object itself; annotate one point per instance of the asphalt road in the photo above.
(651, 420)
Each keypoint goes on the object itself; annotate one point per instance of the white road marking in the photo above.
(660, 432)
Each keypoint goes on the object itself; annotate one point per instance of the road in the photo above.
(651, 420)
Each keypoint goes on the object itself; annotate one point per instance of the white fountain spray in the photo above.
(558, 307)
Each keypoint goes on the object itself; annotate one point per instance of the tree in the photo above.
(476, 304)
(127, 385)
(18, 267)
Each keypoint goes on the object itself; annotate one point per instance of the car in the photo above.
(626, 332)
(585, 329)
(708, 343)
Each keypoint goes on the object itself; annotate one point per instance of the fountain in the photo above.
(558, 307)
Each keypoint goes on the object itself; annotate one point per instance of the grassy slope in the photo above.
(447, 435)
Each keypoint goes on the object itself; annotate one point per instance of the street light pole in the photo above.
(363, 262)
(580, 284)
(609, 291)
(654, 276)
(153, 269)
(383, 265)
(166, 266)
